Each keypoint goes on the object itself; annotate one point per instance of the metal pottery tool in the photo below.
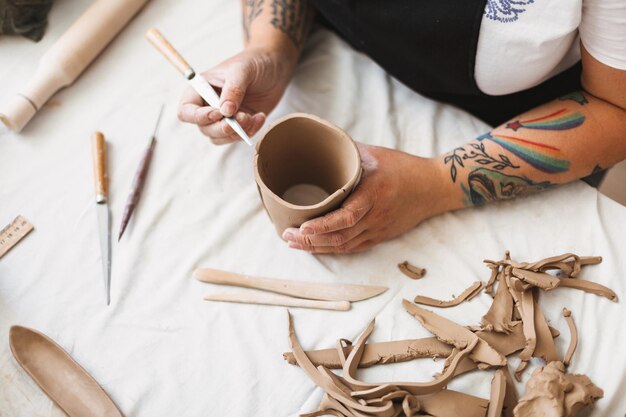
(139, 180)
(62, 379)
(197, 82)
(13, 233)
(98, 146)
(300, 289)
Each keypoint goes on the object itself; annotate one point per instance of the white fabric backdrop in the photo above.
(159, 350)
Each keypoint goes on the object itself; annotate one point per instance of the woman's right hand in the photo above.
(250, 84)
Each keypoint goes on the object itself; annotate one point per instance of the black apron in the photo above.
(430, 46)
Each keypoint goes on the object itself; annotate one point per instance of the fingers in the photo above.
(238, 78)
(221, 133)
(308, 242)
(359, 243)
(356, 207)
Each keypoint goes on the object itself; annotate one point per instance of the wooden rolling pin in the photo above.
(69, 56)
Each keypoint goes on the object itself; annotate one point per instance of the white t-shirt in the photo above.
(524, 42)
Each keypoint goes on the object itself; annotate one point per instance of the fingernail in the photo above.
(287, 235)
(228, 108)
(306, 231)
(215, 115)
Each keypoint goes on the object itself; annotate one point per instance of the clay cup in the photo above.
(304, 167)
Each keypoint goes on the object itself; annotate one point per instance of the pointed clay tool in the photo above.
(139, 180)
(59, 376)
(197, 82)
(279, 300)
(310, 290)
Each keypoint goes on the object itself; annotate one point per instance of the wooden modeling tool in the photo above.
(310, 290)
(139, 180)
(197, 82)
(63, 380)
(279, 300)
(98, 145)
(69, 57)
(13, 233)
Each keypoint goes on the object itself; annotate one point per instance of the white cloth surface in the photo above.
(159, 349)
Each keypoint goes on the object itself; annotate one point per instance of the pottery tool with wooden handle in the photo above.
(278, 300)
(139, 180)
(309, 290)
(59, 376)
(197, 82)
(69, 57)
(98, 145)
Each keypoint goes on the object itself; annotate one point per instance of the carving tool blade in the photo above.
(102, 208)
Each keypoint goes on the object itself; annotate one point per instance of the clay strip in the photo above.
(498, 391)
(411, 271)
(331, 389)
(469, 293)
(449, 332)
(499, 316)
(588, 286)
(545, 348)
(527, 311)
(495, 270)
(511, 397)
(537, 279)
(448, 403)
(573, 338)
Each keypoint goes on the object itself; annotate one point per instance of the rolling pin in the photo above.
(69, 56)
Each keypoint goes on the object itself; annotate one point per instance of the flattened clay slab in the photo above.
(59, 376)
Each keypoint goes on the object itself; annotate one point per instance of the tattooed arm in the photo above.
(252, 81)
(569, 138)
(556, 143)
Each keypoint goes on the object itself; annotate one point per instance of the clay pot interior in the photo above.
(303, 163)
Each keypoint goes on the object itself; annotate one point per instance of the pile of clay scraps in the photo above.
(514, 323)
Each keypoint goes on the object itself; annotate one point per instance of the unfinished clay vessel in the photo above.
(304, 168)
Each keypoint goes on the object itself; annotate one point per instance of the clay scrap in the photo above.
(411, 271)
(552, 392)
(469, 293)
(514, 323)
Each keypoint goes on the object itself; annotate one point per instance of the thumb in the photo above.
(237, 81)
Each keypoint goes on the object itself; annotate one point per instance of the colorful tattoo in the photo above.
(576, 96)
(252, 10)
(293, 17)
(477, 153)
(555, 121)
(486, 185)
(541, 156)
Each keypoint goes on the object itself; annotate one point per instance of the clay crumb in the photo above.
(469, 293)
(573, 338)
(411, 271)
(551, 391)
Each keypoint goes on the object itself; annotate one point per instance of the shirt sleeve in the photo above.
(603, 31)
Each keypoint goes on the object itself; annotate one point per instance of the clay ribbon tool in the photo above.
(98, 145)
(293, 293)
(63, 380)
(69, 56)
(13, 233)
(139, 180)
(197, 82)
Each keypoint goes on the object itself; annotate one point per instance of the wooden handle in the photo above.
(98, 147)
(167, 50)
(279, 300)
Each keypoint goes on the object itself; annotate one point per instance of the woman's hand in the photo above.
(250, 85)
(397, 191)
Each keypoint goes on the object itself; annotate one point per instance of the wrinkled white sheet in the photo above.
(159, 349)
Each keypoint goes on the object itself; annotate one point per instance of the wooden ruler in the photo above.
(13, 233)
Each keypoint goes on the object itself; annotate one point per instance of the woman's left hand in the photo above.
(397, 191)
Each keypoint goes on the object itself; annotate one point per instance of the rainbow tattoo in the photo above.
(576, 96)
(554, 121)
(541, 156)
